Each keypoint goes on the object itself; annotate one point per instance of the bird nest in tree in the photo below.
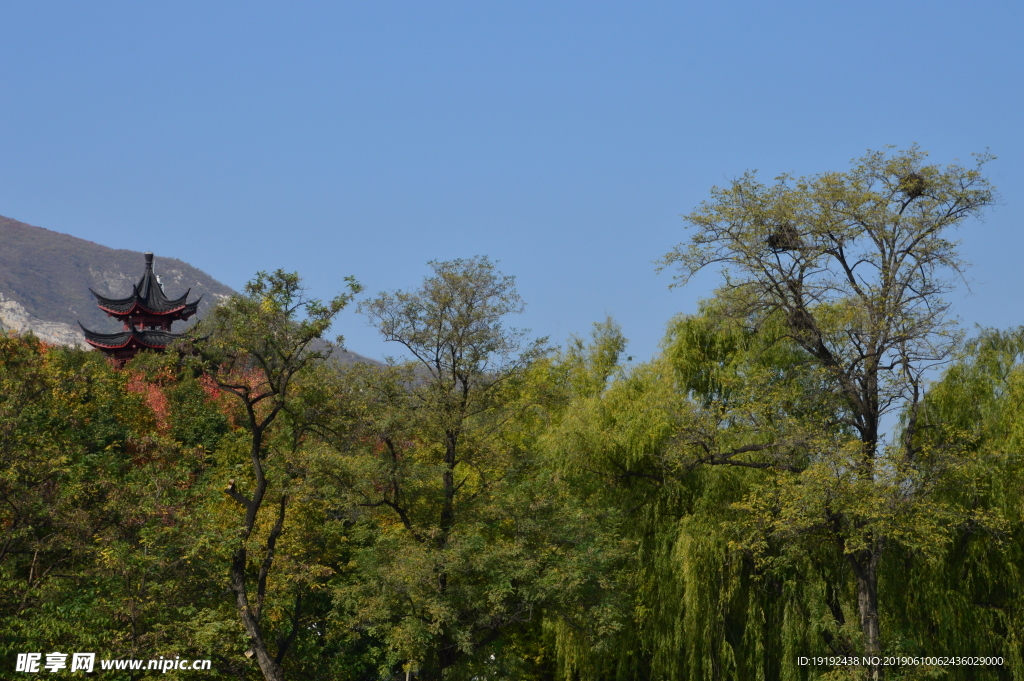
(784, 238)
(912, 185)
(802, 325)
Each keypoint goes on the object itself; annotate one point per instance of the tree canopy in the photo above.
(815, 467)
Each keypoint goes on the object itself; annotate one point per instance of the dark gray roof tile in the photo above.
(148, 295)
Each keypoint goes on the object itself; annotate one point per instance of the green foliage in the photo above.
(735, 575)
(97, 551)
(848, 269)
(194, 423)
(257, 348)
(968, 594)
(469, 531)
(488, 508)
(751, 457)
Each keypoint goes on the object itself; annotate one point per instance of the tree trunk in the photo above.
(446, 654)
(447, 650)
(865, 570)
(250, 616)
(271, 670)
(447, 518)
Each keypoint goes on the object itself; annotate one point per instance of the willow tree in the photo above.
(668, 446)
(970, 596)
(853, 266)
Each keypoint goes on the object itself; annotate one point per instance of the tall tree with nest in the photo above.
(853, 267)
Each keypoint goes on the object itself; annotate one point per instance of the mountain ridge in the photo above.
(45, 277)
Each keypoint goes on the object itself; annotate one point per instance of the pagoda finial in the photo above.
(149, 260)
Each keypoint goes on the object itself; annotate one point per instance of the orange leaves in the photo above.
(154, 397)
(209, 387)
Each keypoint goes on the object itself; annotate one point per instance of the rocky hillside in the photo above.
(45, 278)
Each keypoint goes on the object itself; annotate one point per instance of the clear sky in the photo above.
(561, 139)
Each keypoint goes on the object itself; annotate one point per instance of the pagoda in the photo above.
(147, 315)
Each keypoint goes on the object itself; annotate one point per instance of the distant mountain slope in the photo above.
(45, 277)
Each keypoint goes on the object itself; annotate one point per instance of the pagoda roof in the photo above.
(149, 338)
(148, 297)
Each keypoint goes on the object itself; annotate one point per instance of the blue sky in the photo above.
(562, 139)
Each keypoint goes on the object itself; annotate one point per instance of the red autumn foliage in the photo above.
(209, 387)
(154, 397)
